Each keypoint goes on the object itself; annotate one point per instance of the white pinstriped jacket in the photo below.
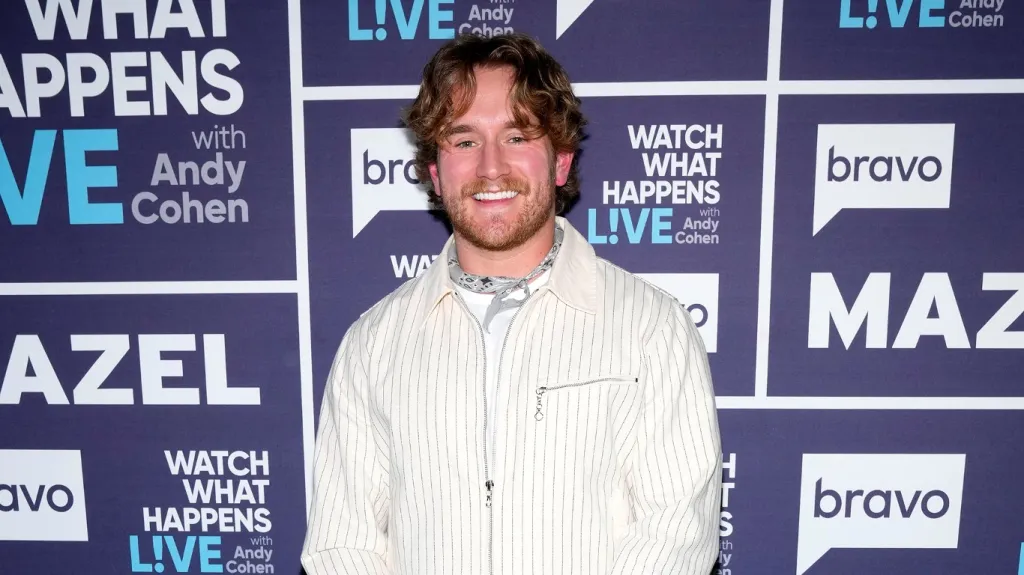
(606, 458)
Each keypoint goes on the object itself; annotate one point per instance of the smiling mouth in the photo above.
(494, 196)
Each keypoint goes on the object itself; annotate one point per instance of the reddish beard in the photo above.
(506, 231)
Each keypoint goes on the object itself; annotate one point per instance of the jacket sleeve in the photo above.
(347, 526)
(675, 478)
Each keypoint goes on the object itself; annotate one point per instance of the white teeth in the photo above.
(487, 196)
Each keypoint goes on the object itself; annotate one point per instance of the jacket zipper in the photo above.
(546, 388)
(488, 482)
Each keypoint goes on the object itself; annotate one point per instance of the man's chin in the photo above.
(492, 239)
(497, 231)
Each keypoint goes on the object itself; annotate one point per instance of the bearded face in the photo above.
(497, 185)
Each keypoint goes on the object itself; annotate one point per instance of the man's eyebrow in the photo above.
(459, 129)
(468, 129)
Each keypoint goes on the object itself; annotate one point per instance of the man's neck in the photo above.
(516, 262)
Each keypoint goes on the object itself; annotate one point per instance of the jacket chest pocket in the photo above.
(577, 387)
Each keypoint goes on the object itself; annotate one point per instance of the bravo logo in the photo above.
(567, 12)
(890, 501)
(881, 166)
(383, 176)
(42, 496)
(698, 293)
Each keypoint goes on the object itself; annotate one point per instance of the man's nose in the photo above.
(493, 163)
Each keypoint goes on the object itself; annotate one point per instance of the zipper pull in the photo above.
(540, 404)
(490, 486)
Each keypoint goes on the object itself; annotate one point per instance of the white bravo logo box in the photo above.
(383, 178)
(881, 166)
(42, 496)
(887, 501)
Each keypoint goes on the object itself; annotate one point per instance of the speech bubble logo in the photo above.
(42, 496)
(881, 166)
(566, 12)
(699, 295)
(890, 501)
(383, 177)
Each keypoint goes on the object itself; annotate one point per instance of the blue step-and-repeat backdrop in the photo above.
(199, 197)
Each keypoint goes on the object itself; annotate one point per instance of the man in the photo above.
(523, 407)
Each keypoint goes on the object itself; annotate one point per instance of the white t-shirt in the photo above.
(494, 336)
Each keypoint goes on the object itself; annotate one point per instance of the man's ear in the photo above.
(434, 178)
(563, 161)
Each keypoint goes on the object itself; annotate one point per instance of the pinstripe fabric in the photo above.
(614, 469)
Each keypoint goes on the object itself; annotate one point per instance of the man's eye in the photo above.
(517, 139)
(463, 144)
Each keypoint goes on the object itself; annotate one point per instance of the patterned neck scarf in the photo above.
(501, 286)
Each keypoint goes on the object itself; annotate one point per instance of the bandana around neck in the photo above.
(501, 286)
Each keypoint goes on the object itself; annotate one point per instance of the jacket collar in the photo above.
(573, 277)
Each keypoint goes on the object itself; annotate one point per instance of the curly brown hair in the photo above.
(542, 101)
